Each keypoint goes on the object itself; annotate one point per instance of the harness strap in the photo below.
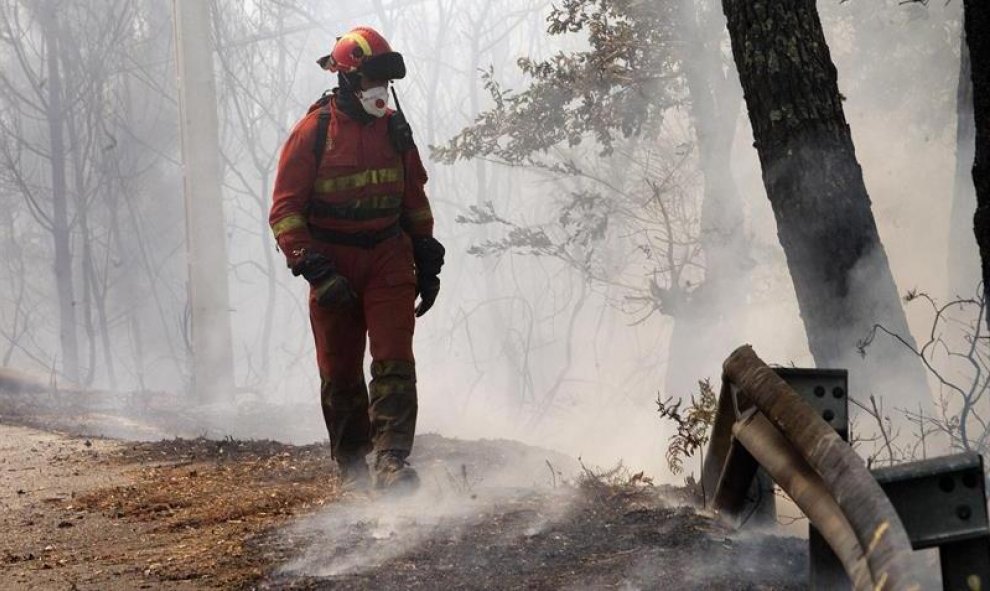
(322, 126)
(372, 208)
(366, 240)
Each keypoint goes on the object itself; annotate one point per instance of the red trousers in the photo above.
(384, 279)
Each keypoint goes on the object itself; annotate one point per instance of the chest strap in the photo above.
(369, 208)
(367, 239)
(322, 127)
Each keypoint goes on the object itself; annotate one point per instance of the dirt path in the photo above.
(100, 515)
(45, 540)
(87, 515)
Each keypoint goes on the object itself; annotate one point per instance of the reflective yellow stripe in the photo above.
(290, 222)
(365, 208)
(419, 215)
(360, 40)
(358, 180)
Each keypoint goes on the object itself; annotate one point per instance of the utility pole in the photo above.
(206, 249)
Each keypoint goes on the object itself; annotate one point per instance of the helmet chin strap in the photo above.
(349, 82)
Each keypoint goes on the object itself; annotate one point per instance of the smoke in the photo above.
(517, 346)
(358, 536)
(603, 533)
(364, 532)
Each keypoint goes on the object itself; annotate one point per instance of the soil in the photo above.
(167, 515)
(92, 514)
(631, 537)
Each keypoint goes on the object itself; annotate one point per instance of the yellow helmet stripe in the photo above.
(360, 40)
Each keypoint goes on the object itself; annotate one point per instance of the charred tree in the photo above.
(708, 321)
(977, 23)
(60, 220)
(815, 185)
(963, 260)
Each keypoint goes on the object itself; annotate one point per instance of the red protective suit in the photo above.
(360, 208)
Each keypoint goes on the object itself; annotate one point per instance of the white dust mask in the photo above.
(374, 100)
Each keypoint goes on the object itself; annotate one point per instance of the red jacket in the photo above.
(362, 183)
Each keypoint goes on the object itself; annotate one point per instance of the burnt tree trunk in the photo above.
(963, 263)
(815, 185)
(710, 321)
(977, 24)
(61, 225)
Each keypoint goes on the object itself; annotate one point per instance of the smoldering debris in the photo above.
(587, 534)
(499, 486)
(364, 536)
(762, 561)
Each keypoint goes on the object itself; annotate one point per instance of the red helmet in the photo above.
(364, 50)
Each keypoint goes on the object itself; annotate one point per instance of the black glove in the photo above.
(428, 288)
(428, 253)
(332, 289)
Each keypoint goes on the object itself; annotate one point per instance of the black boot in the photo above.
(353, 471)
(394, 474)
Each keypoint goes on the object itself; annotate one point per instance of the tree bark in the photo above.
(85, 259)
(707, 325)
(977, 23)
(815, 185)
(60, 207)
(212, 361)
(963, 263)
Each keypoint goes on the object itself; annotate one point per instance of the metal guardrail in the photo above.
(942, 503)
(789, 427)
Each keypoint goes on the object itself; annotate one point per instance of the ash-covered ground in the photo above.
(208, 514)
(613, 537)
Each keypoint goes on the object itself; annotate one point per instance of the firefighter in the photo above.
(350, 214)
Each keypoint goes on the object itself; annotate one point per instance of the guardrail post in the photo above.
(826, 391)
(825, 571)
(744, 492)
(966, 565)
(941, 502)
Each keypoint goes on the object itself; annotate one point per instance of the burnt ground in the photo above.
(626, 538)
(86, 514)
